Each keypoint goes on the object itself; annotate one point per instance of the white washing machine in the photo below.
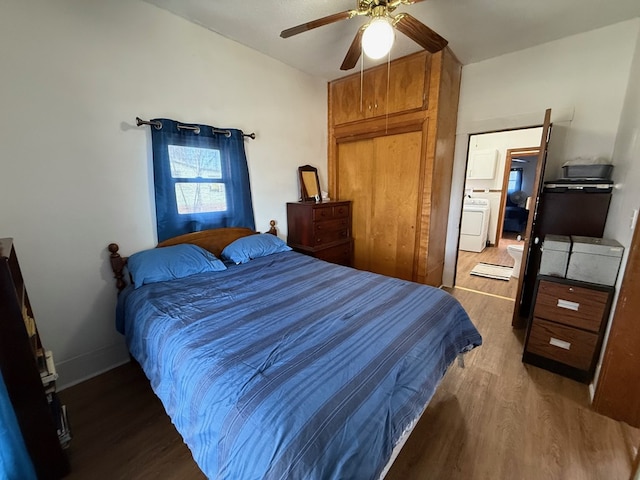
(475, 224)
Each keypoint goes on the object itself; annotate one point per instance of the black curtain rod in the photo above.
(158, 125)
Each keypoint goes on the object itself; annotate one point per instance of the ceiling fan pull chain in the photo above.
(361, 79)
(386, 127)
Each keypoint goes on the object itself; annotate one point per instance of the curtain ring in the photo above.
(194, 129)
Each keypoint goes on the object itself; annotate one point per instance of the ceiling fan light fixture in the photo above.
(378, 38)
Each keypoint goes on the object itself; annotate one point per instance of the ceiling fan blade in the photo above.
(320, 22)
(419, 33)
(354, 52)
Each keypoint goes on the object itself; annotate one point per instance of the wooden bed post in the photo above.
(273, 230)
(117, 265)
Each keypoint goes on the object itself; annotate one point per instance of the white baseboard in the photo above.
(86, 366)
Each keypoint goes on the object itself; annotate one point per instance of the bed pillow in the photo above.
(168, 263)
(253, 246)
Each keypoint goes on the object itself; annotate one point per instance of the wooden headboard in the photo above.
(213, 240)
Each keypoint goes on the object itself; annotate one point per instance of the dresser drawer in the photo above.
(563, 344)
(330, 225)
(575, 306)
(340, 254)
(330, 236)
(329, 212)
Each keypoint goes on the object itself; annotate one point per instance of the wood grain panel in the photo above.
(582, 345)
(355, 174)
(590, 305)
(395, 204)
(406, 82)
(347, 99)
(618, 390)
(439, 137)
(380, 91)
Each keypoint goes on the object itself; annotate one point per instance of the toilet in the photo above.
(515, 251)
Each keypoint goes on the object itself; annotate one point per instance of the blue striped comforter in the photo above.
(292, 368)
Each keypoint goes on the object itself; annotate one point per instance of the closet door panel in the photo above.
(395, 204)
(349, 102)
(355, 174)
(402, 87)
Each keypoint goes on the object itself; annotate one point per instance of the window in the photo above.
(515, 180)
(199, 186)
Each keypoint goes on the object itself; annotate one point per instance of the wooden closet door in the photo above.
(381, 177)
(395, 204)
(355, 173)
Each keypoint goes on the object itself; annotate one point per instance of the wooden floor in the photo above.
(495, 419)
(496, 255)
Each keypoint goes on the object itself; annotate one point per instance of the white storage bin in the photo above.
(594, 260)
(555, 255)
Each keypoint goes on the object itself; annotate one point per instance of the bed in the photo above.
(283, 366)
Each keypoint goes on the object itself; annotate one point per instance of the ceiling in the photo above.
(476, 29)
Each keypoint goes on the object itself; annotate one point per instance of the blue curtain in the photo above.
(15, 463)
(201, 178)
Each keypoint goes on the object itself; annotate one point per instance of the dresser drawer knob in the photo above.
(571, 289)
(568, 305)
(556, 342)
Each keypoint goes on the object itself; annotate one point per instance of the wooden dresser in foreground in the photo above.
(567, 326)
(322, 230)
(29, 378)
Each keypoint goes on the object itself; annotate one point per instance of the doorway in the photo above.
(500, 174)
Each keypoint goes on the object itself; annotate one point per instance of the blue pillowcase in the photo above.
(168, 263)
(253, 246)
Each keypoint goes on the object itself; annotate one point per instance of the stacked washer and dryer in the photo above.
(475, 224)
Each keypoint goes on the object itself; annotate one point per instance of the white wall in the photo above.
(75, 172)
(626, 174)
(583, 78)
(500, 142)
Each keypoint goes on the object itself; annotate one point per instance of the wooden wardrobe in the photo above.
(391, 142)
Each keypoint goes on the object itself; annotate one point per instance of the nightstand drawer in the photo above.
(571, 305)
(561, 343)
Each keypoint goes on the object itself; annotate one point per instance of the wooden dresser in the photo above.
(322, 230)
(567, 326)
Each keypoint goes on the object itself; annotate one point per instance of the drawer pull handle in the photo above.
(556, 342)
(571, 289)
(568, 305)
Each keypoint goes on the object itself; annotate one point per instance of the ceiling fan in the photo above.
(376, 36)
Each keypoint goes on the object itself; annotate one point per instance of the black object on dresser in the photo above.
(322, 230)
(567, 326)
(23, 365)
